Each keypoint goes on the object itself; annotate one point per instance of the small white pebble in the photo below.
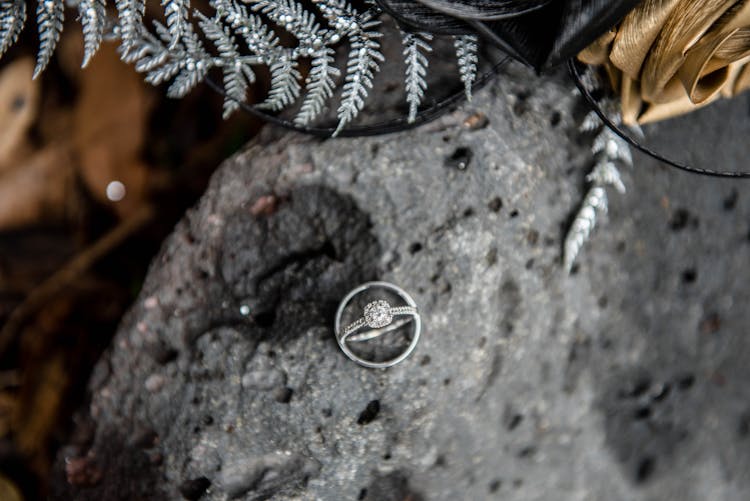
(116, 191)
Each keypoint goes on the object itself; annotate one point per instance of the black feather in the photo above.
(582, 22)
(484, 10)
(539, 33)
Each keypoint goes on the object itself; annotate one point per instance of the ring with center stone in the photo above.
(378, 317)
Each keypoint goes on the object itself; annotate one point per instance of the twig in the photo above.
(70, 272)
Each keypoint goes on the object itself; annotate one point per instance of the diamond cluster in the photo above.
(378, 314)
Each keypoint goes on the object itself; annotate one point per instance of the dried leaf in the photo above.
(19, 101)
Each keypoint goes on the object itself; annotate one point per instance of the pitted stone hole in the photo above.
(447, 381)
(440, 461)
(284, 395)
(645, 469)
(731, 201)
(370, 412)
(661, 392)
(682, 219)
(495, 204)
(554, 119)
(513, 214)
(639, 388)
(513, 421)
(415, 247)
(602, 302)
(521, 106)
(686, 382)
(642, 413)
(527, 452)
(689, 276)
(459, 159)
(425, 360)
(327, 413)
(362, 494)
(494, 486)
(387, 456)
(193, 489)
(469, 212)
(265, 319)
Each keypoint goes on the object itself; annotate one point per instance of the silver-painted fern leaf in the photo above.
(608, 149)
(285, 84)
(415, 47)
(93, 18)
(241, 35)
(237, 76)
(320, 84)
(466, 54)
(49, 18)
(12, 19)
(364, 63)
(176, 13)
(130, 19)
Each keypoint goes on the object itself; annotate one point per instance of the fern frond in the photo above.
(613, 146)
(12, 21)
(176, 13)
(285, 86)
(583, 224)
(415, 47)
(467, 48)
(93, 17)
(130, 14)
(237, 75)
(261, 40)
(606, 173)
(49, 18)
(364, 62)
(320, 84)
(291, 16)
(194, 64)
(150, 53)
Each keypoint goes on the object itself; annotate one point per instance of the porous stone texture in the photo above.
(626, 381)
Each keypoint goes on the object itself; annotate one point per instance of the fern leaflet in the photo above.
(415, 45)
(93, 16)
(49, 18)
(12, 19)
(466, 54)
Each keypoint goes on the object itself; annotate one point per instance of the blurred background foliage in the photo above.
(96, 167)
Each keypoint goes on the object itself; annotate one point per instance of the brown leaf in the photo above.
(19, 101)
(110, 125)
(38, 189)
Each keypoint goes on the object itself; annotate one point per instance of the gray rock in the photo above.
(625, 381)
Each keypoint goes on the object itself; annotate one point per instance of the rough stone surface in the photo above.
(625, 381)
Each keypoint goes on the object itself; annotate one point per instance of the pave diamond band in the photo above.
(378, 314)
(378, 318)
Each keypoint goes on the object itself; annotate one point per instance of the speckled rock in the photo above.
(626, 381)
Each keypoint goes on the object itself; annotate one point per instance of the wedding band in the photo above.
(380, 318)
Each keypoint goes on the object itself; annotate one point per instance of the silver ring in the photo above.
(380, 318)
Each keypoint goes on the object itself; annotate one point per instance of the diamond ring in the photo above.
(379, 317)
